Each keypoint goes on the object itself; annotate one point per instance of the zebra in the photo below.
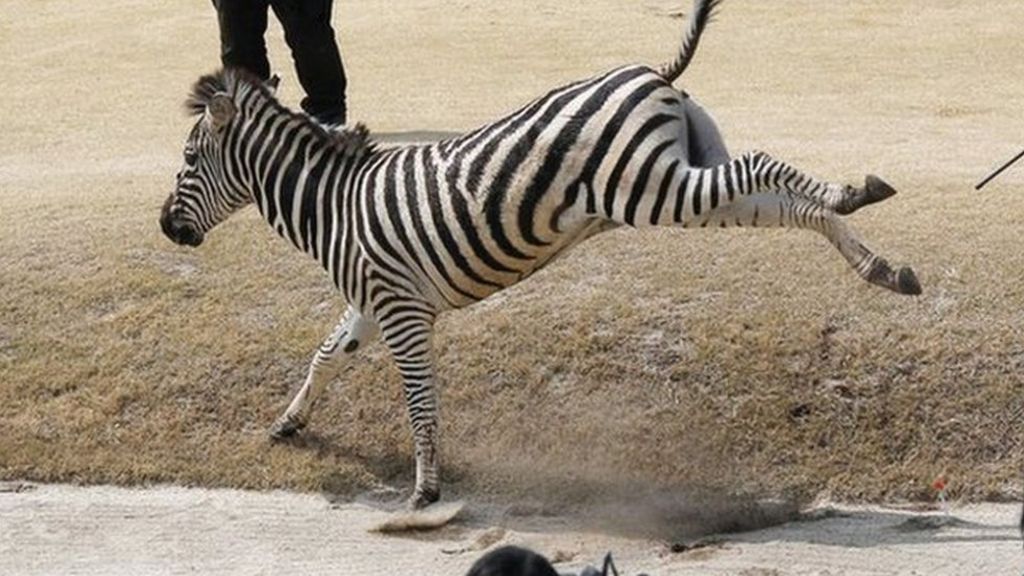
(408, 232)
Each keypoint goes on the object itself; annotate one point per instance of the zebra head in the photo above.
(207, 190)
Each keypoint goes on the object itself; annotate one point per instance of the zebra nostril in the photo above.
(180, 232)
(186, 234)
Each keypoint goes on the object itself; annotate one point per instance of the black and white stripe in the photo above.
(408, 232)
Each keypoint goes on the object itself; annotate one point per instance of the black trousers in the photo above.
(307, 31)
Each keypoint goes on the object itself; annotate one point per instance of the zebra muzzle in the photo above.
(181, 232)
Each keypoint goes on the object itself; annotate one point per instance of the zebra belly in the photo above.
(469, 292)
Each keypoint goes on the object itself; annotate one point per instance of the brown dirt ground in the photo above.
(748, 361)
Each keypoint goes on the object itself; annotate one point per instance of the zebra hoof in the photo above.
(420, 500)
(906, 282)
(876, 190)
(285, 427)
(902, 281)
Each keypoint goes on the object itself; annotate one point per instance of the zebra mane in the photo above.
(350, 141)
(353, 141)
(208, 85)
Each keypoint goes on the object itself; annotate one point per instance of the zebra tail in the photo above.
(703, 12)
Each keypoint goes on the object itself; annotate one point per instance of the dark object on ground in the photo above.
(516, 561)
(512, 561)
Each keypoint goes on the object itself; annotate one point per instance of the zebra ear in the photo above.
(220, 110)
(272, 83)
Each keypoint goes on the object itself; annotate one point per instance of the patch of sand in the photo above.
(60, 529)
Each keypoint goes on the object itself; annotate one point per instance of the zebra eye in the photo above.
(191, 157)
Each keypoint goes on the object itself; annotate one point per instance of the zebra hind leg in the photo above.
(842, 200)
(868, 265)
(767, 192)
(816, 205)
(827, 200)
(352, 332)
(783, 210)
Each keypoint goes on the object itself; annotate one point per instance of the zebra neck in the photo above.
(297, 182)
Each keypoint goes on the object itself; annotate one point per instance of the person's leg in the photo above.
(308, 32)
(242, 25)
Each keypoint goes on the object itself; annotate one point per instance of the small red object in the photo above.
(939, 484)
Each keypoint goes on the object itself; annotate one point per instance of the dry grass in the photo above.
(753, 361)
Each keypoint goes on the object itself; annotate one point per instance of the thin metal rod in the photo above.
(999, 171)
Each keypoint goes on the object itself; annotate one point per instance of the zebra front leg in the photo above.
(410, 342)
(353, 331)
